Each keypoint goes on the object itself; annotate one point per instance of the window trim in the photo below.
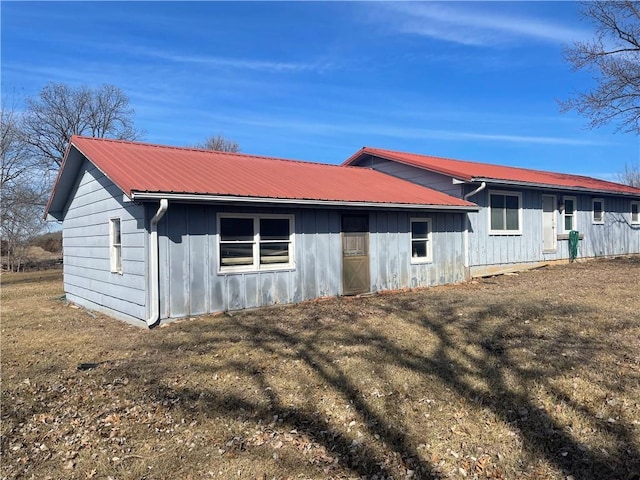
(637, 203)
(575, 213)
(505, 193)
(593, 211)
(429, 240)
(115, 260)
(256, 266)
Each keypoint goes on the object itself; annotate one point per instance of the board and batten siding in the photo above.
(420, 176)
(616, 236)
(88, 280)
(190, 283)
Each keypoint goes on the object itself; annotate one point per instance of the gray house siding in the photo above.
(437, 181)
(190, 283)
(616, 236)
(88, 280)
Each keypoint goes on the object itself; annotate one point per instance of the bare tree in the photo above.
(22, 190)
(13, 149)
(219, 143)
(630, 175)
(613, 56)
(60, 111)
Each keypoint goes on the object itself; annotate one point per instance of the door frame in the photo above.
(350, 259)
(554, 220)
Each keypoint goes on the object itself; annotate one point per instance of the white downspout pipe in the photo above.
(467, 256)
(154, 281)
(482, 186)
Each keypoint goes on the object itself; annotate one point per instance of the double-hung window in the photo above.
(598, 210)
(421, 250)
(635, 213)
(569, 214)
(505, 213)
(255, 242)
(115, 245)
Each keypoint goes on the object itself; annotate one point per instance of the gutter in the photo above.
(547, 186)
(234, 200)
(154, 283)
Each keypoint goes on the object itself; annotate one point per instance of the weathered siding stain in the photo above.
(188, 254)
(88, 280)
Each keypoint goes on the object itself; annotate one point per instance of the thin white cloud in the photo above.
(470, 26)
(363, 129)
(238, 63)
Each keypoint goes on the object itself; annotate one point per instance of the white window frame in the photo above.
(256, 266)
(637, 220)
(574, 216)
(115, 248)
(429, 258)
(593, 211)
(509, 194)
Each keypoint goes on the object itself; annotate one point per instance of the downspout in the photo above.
(155, 271)
(482, 186)
(467, 259)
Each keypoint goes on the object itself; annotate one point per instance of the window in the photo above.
(252, 242)
(115, 245)
(569, 214)
(598, 210)
(421, 251)
(505, 213)
(635, 213)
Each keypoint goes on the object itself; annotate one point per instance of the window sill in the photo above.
(420, 261)
(252, 269)
(505, 232)
(565, 236)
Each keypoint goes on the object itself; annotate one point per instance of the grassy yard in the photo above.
(529, 376)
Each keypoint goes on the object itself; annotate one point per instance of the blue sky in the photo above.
(317, 81)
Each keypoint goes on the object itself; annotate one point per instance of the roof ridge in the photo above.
(204, 150)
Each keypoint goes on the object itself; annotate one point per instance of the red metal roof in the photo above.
(145, 168)
(474, 171)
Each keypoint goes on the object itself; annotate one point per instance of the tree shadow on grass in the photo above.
(472, 356)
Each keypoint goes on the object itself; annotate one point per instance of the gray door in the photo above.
(355, 254)
(549, 223)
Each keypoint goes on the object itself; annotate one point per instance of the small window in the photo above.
(569, 214)
(251, 242)
(505, 215)
(115, 245)
(421, 251)
(635, 213)
(598, 210)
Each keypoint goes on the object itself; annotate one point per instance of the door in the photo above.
(355, 254)
(549, 238)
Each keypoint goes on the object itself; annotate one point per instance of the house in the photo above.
(155, 232)
(525, 216)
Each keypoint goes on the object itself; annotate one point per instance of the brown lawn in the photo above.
(533, 376)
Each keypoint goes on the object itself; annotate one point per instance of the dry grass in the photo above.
(529, 376)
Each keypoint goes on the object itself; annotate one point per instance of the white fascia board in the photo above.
(511, 183)
(139, 196)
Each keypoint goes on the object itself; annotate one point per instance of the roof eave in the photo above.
(192, 197)
(513, 183)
